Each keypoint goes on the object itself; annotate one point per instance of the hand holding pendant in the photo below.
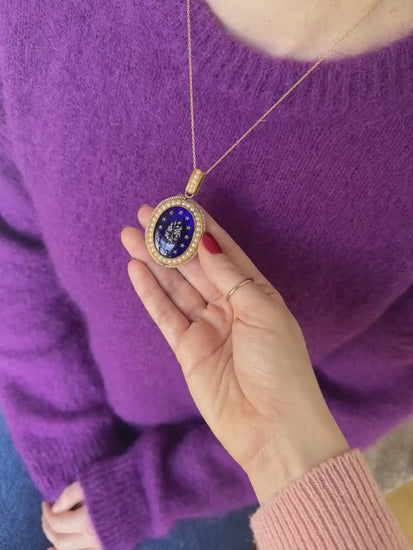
(244, 359)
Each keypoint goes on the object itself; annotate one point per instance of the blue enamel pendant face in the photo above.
(174, 231)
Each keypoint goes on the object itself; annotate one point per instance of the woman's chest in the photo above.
(102, 124)
(322, 206)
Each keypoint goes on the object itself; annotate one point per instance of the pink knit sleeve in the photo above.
(335, 506)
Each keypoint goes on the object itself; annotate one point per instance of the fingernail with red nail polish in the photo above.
(210, 243)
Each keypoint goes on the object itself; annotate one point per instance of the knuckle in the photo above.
(59, 542)
(278, 298)
(274, 293)
(268, 289)
(86, 524)
(44, 522)
(281, 314)
(53, 521)
(231, 248)
(51, 524)
(88, 529)
(50, 535)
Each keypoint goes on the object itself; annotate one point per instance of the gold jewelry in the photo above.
(177, 223)
(238, 285)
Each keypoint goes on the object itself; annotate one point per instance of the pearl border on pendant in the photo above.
(199, 228)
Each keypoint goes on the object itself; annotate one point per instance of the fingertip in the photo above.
(56, 508)
(125, 234)
(144, 214)
(210, 243)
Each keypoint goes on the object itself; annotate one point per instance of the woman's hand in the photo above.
(244, 360)
(67, 525)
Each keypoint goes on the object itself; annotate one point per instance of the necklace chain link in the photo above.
(310, 70)
(173, 250)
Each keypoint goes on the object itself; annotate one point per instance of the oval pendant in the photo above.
(174, 231)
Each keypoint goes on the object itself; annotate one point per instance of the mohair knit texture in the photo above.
(94, 122)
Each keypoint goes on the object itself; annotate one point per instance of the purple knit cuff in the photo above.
(53, 462)
(116, 502)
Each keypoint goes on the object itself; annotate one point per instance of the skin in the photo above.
(304, 30)
(71, 528)
(245, 360)
(260, 390)
(246, 365)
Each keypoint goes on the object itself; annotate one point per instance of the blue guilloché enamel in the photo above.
(174, 231)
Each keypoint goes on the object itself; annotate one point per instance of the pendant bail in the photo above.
(194, 183)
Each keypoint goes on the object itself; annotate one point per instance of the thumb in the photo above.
(71, 495)
(225, 273)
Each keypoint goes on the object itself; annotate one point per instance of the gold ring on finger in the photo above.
(238, 285)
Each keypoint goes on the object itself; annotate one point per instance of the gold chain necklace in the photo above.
(178, 223)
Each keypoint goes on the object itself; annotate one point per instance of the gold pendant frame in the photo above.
(199, 228)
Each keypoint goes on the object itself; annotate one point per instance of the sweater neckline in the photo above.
(381, 74)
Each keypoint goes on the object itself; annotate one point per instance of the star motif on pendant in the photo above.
(172, 212)
(186, 237)
(188, 227)
(180, 212)
(182, 245)
(164, 219)
(187, 217)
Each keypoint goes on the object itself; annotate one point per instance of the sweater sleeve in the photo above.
(51, 393)
(336, 506)
(170, 473)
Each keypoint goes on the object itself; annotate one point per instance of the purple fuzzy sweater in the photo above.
(95, 121)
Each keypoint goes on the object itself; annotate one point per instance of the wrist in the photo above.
(292, 454)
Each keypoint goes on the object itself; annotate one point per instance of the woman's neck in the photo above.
(304, 29)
